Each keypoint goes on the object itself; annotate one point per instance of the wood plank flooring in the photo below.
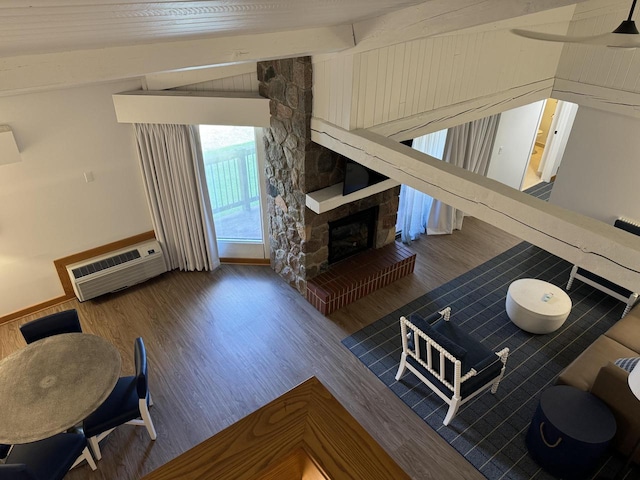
(224, 343)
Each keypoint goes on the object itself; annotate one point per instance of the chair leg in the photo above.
(453, 409)
(89, 458)
(496, 384)
(503, 354)
(402, 367)
(95, 447)
(144, 413)
(86, 455)
(633, 298)
(574, 270)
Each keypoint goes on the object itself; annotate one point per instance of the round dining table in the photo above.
(53, 384)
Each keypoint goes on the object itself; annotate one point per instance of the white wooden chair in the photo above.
(610, 288)
(450, 362)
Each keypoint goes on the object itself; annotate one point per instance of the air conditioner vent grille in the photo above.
(105, 263)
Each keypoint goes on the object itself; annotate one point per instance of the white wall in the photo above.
(514, 143)
(47, 210)
(600, 167)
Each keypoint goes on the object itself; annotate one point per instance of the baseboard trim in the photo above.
(246, 261)
(35, 308)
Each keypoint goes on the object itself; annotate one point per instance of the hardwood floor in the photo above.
(224, 343)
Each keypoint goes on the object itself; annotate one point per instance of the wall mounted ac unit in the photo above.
(116, 270)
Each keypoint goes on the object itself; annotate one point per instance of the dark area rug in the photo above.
(489, 431)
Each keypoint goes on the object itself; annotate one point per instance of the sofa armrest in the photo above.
(582, 372)
(612, 388)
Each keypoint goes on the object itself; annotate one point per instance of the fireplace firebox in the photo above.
(352, 234)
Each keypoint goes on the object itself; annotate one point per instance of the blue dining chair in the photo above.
(128, 403)
(48, 459)
(61, 322)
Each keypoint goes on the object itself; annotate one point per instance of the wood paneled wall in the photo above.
(607, 67)
(599, 77)
(386, 84)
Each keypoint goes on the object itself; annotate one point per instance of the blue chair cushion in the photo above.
(626, 226)
(475, 351)
(120, 407)
(450, 345)
(604, 282)
(4, 449)
(454, 349)
(50, 458)
(16, 471)
(58, 323)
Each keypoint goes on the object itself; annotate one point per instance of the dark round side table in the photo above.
(569, 432)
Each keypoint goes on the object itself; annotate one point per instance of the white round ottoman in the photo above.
(537, 306)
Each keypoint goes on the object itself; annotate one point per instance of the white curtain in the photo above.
(173, 173)
(414, 206)
(468, 146)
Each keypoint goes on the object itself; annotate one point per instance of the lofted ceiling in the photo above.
(46, 26)
(60, 43)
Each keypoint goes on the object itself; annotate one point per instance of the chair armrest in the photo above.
(485, 362)
(612, 388)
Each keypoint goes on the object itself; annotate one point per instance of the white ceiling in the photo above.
(45, 26)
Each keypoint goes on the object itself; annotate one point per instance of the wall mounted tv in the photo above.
(357, 177)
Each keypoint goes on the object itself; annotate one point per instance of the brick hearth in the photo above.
(359, 275)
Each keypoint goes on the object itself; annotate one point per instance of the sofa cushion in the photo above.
(627, 331)
(582, 372)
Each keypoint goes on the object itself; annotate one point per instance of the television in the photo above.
(357, 177)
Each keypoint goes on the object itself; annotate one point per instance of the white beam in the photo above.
(592, 244)
(9, 152)
(459, 113)
(166, 80)
(29, 73)
(595, 96)
(436, 17)
(192, 108)
(327, 199)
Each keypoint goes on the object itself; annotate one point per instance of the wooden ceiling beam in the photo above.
(592, 244)
(436, 17)
(29, 73)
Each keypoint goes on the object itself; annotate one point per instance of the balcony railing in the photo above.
(232, 177)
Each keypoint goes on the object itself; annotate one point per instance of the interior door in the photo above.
(557, 139)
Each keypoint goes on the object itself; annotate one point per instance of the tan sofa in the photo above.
(594, 371)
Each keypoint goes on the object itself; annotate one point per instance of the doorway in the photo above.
(234, 164)
(551, 138)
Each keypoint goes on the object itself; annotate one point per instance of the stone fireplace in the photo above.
(299, 238)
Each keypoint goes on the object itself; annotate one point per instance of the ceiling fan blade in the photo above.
(615, 40)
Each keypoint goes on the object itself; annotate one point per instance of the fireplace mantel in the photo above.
(331, 197)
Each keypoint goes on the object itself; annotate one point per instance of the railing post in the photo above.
(244, 181)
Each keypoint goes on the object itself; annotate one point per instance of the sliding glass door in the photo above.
(234, 165)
